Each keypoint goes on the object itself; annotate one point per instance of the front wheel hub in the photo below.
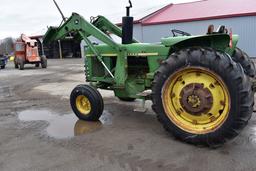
(83, 105)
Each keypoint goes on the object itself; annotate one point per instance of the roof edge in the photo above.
(156, 12)
(200, 19)
(36, 36)
(196, 1)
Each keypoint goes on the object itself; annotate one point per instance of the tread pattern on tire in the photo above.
(232, 74)
(248, 65)
(95, 98)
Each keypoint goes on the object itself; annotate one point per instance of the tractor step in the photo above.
(145, 93)
(141, 108)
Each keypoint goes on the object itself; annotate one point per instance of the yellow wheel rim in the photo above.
(83, 105)
(196, 100)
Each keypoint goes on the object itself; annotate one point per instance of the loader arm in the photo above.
(107, 26)
(77, 27)
(80, 29)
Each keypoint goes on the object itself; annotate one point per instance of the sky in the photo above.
(33, 16)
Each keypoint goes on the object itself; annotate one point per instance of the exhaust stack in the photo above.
(127, 26)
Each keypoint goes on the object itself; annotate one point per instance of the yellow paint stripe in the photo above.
(143, 54)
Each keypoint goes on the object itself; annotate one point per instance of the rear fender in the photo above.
(217, 41)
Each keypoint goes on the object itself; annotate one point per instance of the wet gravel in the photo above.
(38, 130)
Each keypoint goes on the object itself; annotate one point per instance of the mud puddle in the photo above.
(65, 126)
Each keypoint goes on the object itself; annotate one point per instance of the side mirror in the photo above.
(221, 29)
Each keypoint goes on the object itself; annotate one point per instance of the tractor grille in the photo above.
(137, 65)
(97, 68)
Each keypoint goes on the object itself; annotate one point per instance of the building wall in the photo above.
(138, 32)
(243, 26)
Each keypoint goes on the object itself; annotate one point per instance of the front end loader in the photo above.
(201, 86)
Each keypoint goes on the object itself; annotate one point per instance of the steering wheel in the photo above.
(176, 33)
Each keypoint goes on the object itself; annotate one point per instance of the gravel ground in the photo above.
(38, 130)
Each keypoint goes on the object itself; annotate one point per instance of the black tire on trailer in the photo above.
(193, 99)
(3, 67)
(247, 64)
(126, 99)
(86, 102)
(44, 62)
(37, 65)
(21, 64)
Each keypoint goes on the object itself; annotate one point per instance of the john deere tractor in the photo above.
(201, 86)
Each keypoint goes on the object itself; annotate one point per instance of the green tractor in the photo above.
(201, 86)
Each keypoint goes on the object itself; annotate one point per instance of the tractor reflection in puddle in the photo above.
(65, 126)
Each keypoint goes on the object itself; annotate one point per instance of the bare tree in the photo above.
(6, 45)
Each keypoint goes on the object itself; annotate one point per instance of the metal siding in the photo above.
(137, 32)
(243, 26)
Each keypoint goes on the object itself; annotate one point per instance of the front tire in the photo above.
(86, 102)
(44, 62)
(202, 97)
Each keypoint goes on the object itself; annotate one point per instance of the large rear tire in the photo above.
(86, 102)
(202, 97)
(248, 65)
